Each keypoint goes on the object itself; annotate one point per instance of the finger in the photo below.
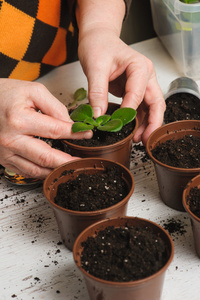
(156, 104)
(155, 119)
(28, 169)
(137, 79)
(138, 136)
(39, 97)
(37, 124)
(149, 119)
(38, 152)
(98, 90)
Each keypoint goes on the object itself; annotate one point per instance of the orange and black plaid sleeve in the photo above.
(35, 37)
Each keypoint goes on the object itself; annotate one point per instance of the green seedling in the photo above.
(79, 95)
(83, 119)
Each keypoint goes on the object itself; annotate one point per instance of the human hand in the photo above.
(111, 65)
(21, 121)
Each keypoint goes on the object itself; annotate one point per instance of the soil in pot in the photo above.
(180, 153)
(193, 200)
(124, 254)
(182, 106)
(103, 138)
(91, 192)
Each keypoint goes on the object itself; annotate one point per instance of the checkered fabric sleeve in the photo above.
(35, 37)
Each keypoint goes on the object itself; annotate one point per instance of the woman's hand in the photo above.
(21, 122)
(112, 66)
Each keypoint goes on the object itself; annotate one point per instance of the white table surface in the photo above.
(33, 265)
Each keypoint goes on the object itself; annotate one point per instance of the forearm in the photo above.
(101, 14)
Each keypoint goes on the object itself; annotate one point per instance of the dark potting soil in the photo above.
(124, 254)
(90, 192)
(193, 199)
(182, 106)
(102, 138)
(174, 226)
(180, 153)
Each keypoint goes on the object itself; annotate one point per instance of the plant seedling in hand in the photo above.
(83, 118)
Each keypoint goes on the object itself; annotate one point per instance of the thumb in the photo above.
(98, 91)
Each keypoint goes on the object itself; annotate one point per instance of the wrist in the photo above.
(107, 14)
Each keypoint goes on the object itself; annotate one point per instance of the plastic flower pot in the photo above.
(182, 100)
(195, 221)
(119, 151)
(172, 180)
(71, 222)
(146, 288)
(183, 85)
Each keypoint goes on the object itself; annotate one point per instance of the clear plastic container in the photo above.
(178, 26)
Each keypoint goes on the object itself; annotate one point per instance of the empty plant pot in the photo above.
(191, 203)
(119, 151)
(183, 85)
(171, 179)
(182, 100)
(119, 249)
(72, 221)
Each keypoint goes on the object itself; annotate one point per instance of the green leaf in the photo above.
(82, 112)
(103, 119)
(78, 126)
(80, 94)
(112, 126)
(91, 121)
(125, 114)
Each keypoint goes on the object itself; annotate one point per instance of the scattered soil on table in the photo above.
(174, 226)
(193, 199)
(102, 138)
(180, 153)
(182, 106)
(139, 150)
(124, 254)
(90, 192)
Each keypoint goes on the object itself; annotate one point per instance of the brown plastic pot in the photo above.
(119, 152)
(70, 222)
(148, 288)
(195, 221)
(172, 180)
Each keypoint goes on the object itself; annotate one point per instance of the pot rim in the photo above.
(149, 147)
(129, 283)
(182, 90)
(94, 212)
(196, 181)
(105, 147)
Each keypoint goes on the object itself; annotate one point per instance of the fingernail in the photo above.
(88, 135)
(97, 111)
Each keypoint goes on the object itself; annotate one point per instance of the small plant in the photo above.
(79, 95)
(83, 118)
